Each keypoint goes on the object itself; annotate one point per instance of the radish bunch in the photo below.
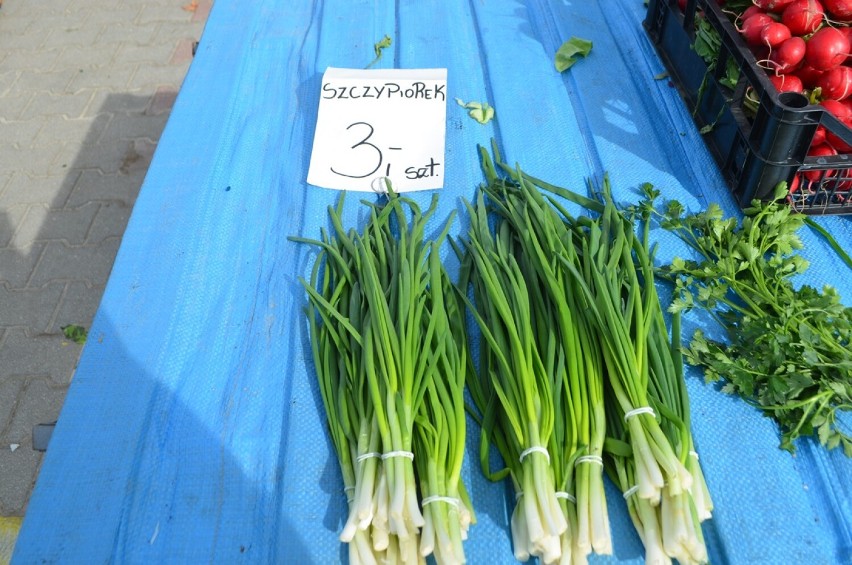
(805, 46)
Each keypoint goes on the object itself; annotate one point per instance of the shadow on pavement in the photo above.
(55, 259)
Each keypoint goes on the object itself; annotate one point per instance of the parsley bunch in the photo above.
(789, 348)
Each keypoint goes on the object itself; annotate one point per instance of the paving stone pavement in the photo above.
(86, 87)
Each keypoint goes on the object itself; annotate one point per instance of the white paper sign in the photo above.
(380, 123)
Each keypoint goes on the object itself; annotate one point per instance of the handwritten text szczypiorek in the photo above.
(416, 90)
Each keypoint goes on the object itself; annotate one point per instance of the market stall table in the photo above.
(193, 430)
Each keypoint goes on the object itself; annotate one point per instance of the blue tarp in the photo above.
(193, 430)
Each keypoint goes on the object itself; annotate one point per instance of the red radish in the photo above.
(808, 74)
(788, 56)
(827, 48)
(803, 16)
(794, 184)
(836, 84)
(838, 109)
(840, 9)
(772, 5)
(832, 179)
(780, 6)
(848, 32)
(774, 34)
(752, 27)
(819, 136)
(786, 83)
(819, 151)
(835, 142)
(843, 112)
(751, 11)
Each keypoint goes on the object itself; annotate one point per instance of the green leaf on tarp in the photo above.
(567, 54)
(482, 112)
(77, 334)
(382, 44)
(378, 47)
(661, 76)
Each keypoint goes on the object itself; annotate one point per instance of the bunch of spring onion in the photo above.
(681, 514)
(609, 271)
(512, 390)
(539, 390)
(647, 406)
(672, 529)
(550, 242)
(387, 372)
(439, 442)
(668, 520)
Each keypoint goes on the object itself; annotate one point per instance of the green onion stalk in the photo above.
(621, 468)
(512, 391)
(681, 513)
(620, 308)
(334, 316)
(563, 447)
(440, 439)
(545, 235)
(670, 529)
(368, 299)
(394, 282)
(668, 393)
(584, 389)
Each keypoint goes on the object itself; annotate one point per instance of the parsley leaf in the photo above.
(789, 349)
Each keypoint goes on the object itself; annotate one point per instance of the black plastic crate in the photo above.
(758, 136)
